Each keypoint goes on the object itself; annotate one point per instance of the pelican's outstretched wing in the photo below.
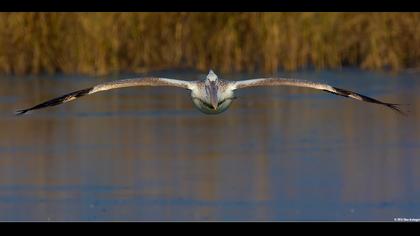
(149, 81)
(309, 84)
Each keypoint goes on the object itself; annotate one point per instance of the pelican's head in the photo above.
(211, 76)
(212, 88)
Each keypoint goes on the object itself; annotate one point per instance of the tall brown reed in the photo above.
(101, 43)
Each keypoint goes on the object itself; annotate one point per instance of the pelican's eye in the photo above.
(220, 103)
(205, 103)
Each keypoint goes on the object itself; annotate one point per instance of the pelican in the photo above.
(210, 95)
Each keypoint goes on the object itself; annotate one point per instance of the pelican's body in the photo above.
(211, 95)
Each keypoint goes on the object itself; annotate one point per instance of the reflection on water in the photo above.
(148, 154)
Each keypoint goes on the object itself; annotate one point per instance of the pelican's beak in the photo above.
(213, 95)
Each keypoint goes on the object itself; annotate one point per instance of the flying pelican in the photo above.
(210, 95)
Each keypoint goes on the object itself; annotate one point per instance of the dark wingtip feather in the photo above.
(397, 107)
(347, 93)
(21, 112)
(56, 101)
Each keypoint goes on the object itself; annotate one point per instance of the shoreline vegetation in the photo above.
(107, 43)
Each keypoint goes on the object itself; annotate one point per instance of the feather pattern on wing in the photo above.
(309, 84)
(150, 81)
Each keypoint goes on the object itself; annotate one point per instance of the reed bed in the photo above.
(104, 43)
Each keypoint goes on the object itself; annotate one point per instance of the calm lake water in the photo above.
(287, 154)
